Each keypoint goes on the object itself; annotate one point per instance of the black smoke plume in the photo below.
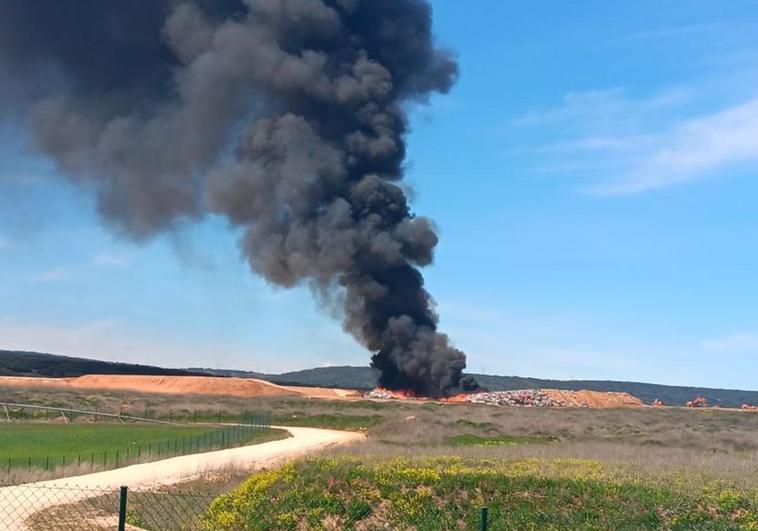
(285, 116)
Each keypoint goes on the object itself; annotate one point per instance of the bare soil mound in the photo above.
(596, 399)
(323, 392)
(200, 385)
(29, 381)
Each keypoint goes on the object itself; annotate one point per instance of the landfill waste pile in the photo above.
(522, 398)
(525, 398)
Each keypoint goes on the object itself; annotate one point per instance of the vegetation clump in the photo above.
(501, 440)
(447, 493)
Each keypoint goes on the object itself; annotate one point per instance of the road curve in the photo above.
(19, 502)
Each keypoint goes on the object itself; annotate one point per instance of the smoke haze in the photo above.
(285, 117)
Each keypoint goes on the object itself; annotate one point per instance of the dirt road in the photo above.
(17, 503)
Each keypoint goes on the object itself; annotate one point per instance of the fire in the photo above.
(394, 394)
(404, 394)
(460, 397)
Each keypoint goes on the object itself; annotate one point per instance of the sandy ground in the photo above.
(201, 385)
(323, 392)
(594, 398)
(17, 503)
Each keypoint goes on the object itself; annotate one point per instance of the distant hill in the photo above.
(19, 363)
(14, 363)
(344, 377)
(347, 377)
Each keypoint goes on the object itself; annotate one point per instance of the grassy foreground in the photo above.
(447, 493)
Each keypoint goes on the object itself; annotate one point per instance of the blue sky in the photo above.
(593, 177)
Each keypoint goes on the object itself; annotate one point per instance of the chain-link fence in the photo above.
(15, 412)
(19, 467)
(70, 508)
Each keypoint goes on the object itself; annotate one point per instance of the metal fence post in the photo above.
(122, 509)
(484, 519)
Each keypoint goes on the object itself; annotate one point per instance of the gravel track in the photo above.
(17, 503)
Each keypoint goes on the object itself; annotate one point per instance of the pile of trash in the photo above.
(387, 394)
(522, 398)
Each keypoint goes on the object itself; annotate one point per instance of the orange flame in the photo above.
(404, 394)
(400, 394)
(460, 397)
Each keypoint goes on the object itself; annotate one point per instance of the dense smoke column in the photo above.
(284, 116)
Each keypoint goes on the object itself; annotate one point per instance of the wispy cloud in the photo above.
(4, 244)
(112, 260)
(669, 32)
(739, 342)
(634, 145)
(696, 148)
(57, 274)
(595, 110)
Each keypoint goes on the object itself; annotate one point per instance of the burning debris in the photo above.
(286, 118)
(388, 394)
(525, 398)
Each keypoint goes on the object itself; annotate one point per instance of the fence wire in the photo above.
(43, 507)
(71, 508)
(38, 467)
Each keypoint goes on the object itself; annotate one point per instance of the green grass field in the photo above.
(448, 492)
(51, 446)
(329, 421)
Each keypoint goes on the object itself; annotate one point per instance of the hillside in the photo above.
(19, 363)
(14, 363)
(344, 377)
(348, 377)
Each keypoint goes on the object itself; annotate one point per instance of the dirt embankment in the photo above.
(200, 385)
(596, 399)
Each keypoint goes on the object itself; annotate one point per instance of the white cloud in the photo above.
(594, 110)
(739, 342)
(113, 260)
(631, 146)
(57, 274)
(4, 244)
(696, 148)
(688, 31)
